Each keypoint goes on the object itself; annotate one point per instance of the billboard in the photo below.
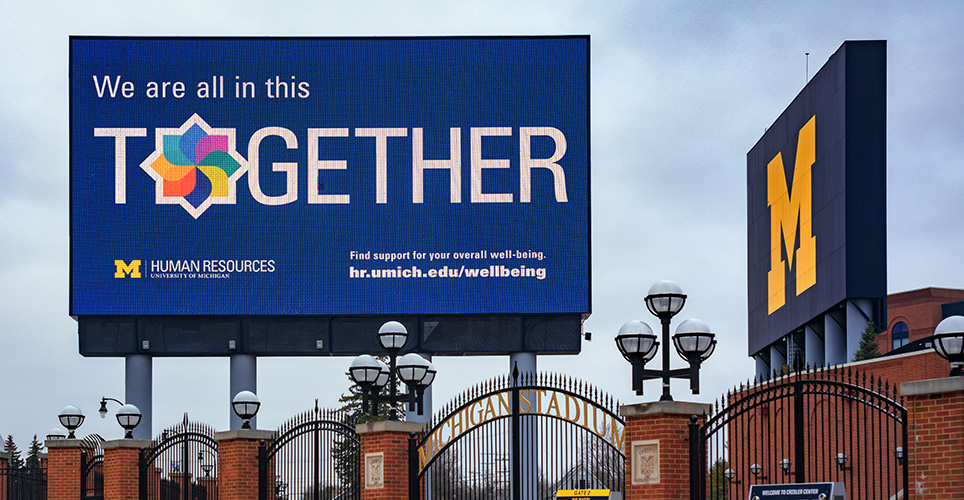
(816, 198)
(329, 176)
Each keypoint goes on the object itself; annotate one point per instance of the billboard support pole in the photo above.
(244, 377)
(138, 390)
(528, 434)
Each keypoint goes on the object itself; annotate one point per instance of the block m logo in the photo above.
(787, 208)
(123, 269)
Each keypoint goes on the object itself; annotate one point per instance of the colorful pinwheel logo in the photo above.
(195, 166)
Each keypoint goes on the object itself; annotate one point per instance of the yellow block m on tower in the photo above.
(787, 208)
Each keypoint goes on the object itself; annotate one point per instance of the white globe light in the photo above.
(665, 297)
(412, 368)
(364, 369)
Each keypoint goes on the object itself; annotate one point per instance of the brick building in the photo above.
(913, 315)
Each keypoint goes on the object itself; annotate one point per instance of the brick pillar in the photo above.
(384, 459)
(120, 468)
(657, 449)
(238, 462)
(63, 469)
(935, 437)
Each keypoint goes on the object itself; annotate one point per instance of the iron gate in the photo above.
(181, 464)
(520, 437)
(92, 468)
(813, 426)
(315, 456)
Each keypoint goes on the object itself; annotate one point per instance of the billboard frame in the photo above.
(177, 335)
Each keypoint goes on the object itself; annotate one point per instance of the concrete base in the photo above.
(665, 408)
(391, 426)
(253, 434)
(126, 443)
(932, 386)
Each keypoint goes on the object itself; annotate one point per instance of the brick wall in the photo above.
(920, 365)
(936, 437)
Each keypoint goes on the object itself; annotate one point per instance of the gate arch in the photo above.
(181, 464)
(564, 433)
(810, 419)
(317, 455)
(92, 468)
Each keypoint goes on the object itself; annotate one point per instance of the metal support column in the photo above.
(138, 390)
(762, 365)
(244, 377)
(778, 355)
(529, 433)
(835, 338)
(814, 345)
(859, 314)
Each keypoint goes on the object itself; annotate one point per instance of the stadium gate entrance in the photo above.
(520, 437)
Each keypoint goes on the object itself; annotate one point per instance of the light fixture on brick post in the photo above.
(128, 416)
(71, 418)
(372, 375)
(694, 342)
(55, 434)
(899, 453)
(245, 405)
(949, 343)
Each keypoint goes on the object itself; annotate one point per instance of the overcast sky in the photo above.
(680, 92)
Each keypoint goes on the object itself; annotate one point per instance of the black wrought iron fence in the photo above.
(23, 483)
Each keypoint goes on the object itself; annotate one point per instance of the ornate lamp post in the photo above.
(372, 375)
(694, 342)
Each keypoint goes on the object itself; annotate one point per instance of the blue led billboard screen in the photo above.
(320, 176)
